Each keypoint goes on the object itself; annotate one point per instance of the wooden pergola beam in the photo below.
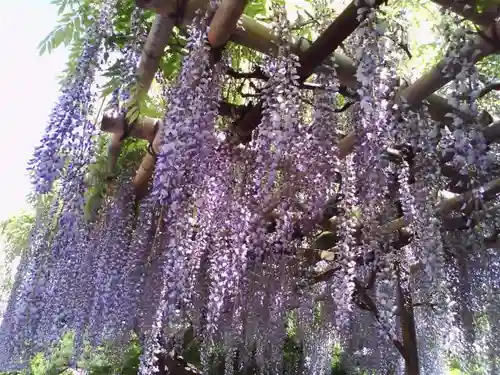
(330, 39)
(149, 62)
(469, 10)
(221, 27)
(258, 36)
(454, 203)
(254, 34)
(310, 58)
(436, 78)
(421, 90)
(144, 129)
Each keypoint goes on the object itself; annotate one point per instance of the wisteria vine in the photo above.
(227, 245)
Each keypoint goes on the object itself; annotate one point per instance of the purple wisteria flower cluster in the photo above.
(226, 245)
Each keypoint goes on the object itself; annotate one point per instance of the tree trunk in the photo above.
(408, 331)
(412, 366)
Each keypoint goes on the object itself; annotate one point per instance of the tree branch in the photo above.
(487, 89)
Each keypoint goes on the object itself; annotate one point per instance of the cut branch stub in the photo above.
(142, 128)
(120, 129)
(154, 128)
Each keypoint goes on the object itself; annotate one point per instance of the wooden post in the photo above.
(146, 169)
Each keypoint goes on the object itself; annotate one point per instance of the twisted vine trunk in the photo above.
(412, 363)
(408, 330)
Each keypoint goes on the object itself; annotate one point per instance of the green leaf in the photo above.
(62, 7)
(110, 86)
(68, 37)
(44, 45)
(132, 114)
(255, 8)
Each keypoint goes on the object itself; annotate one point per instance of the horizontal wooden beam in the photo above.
(331, 38)
(149, 62)
(143, 128)
(456, 202)
(309, 59)
(469, 10)
(258, 36)
(445, 71)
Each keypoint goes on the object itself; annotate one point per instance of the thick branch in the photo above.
(310, 58)
(338, 31)
(487, 89)
(146, 169)
(436, 78)
(468, 10)
(224, 21)
(153, 50)
(148, 65)
(408, 331)
(178, 11)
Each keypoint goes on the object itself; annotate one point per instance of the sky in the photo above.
(28, 90)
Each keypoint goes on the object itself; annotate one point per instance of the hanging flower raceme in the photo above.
(188, 140)
(129, 61)
(22, 316)
(110, 315)
(220, 238)
(464, 147)
(67, 134)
